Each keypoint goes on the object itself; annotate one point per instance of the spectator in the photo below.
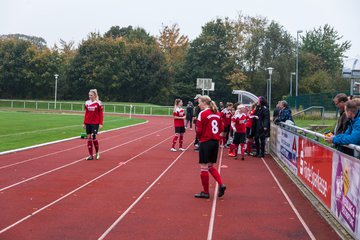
(339, 101)
(221, 106)
(277, 111)
(352, 133)
(197, 110)
(262, 126)
(285, 113)
(189, 114)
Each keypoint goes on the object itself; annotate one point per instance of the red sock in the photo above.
(216, 175)
(181, 139)
(236, 149)
(242, 145)
(96, 145)
(204, 175)
(231, 148)
(90, 147)
(174, 140)
(224, 140)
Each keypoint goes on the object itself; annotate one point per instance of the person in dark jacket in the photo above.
(197, 110)
(262, 126)
(352, 133)
(189, 114)
(285, 113)
(342, 122)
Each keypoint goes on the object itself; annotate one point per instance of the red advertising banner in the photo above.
(315, 169)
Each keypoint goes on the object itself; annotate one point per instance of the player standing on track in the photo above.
(226, 115)
(93, 120)
(209, 127)
(238, 123)
(179, 124)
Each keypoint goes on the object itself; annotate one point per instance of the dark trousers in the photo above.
(260, 144)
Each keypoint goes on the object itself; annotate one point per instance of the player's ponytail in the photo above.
(211, 104)
(176, 103)
(95, 93)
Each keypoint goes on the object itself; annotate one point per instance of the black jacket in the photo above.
(262, 122)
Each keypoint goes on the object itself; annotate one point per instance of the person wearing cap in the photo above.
(196, 114)
(285, 113)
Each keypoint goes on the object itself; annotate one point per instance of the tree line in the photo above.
(130, 65)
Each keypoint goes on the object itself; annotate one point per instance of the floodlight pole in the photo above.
(297, 68)
(56, 78)
(291, 74)
(270, 69)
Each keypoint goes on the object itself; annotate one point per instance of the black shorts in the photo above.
(208, 151)
(92, 128)
(179, 129)
(239, 138)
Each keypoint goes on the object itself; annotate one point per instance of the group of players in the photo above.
(212, 126)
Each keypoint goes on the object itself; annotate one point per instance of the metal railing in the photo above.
(77, 106)
(316, 135)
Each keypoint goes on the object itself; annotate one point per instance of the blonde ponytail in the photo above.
(176, 103)
(95, 93)
(211, 104)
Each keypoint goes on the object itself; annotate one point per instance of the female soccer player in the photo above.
(179, 124)
(238, 124)
(226, 114)
(209, 127)
(93, 120)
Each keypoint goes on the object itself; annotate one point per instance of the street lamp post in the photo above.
(297, 68)
(292, 74)
(270, 69)
(56, 78)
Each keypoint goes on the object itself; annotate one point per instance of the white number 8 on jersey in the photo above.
(215, 127)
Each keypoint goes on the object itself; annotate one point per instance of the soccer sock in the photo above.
(216, 175)
(181, 139)
(236, 149)
(224, 141)
(90, 147)
(204, 175)
(242, 145)
(96, 145)
(174, 140)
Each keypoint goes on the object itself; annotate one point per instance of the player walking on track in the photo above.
(209, 127)
(179, 124)
(93, 121)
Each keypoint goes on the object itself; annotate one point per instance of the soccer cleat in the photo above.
(173, 149)
(221, 191)
(181, 149)
(202, 195)
(231, 155)
(242, 157)
(89, 158)
(97, 156)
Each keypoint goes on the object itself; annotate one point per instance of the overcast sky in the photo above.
(75, 19)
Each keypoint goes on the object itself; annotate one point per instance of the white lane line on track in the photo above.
(52, 129)
(213, 208)
(79, 188)
(141, 196)
(63, 140)
(306, 227)
(64, 150)
(72, 163)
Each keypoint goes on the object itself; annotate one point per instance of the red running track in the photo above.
(141, 190)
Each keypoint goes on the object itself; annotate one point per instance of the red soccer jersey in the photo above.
(226, 116)
(179, 112)
(251, 116)
(209, 125)
(93, 113)
(239, 121)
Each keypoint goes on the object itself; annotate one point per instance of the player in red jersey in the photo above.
(179, 124)
(238, 123)
(93, 121)
(226, 115)
(209, 127)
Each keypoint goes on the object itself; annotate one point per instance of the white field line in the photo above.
(306, 227)
(72, 163)
(54, 153)
(140, 197)
(52, 129)
(213, 209)
(64, 140)
(79, 188)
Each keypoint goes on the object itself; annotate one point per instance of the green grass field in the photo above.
(24, 128)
